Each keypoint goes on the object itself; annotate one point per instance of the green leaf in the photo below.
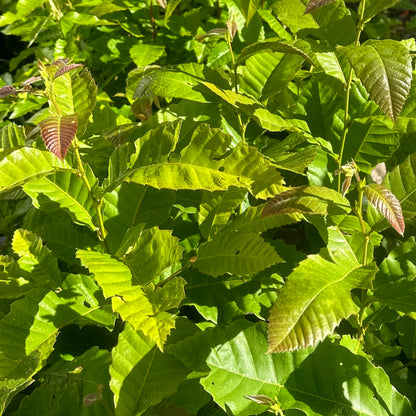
(141, 376)
(312, 303)
(143, 55)
(170, 8)
(273, 46)
(374, 7)
(203, 164)
(145, 308)
(12, 135)
(385, 69)
(385, 201)
(307, 200)
(132, 203)
(67, 384)
(235, 253)
(74, 94)
(334, 21)
(66, 191)
(149, 253)
(249, 8)
(27, 164)
(22, 9)
(371, 141)
(216, 209)
(298, 380)
(33, 321)
(35, 259)
(406, 327)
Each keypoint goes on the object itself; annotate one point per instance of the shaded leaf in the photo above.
(374, 7)
(386, 202)
(65, 69)
(141, 376)
(385, 69)
(58, 133)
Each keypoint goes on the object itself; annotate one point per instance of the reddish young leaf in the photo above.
(66, 69)
(7, 90)
(387, 203)
(316, 4)
(58, 133)
(31, 80)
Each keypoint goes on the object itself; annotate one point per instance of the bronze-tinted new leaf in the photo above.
(65, 69)
(387, 203)
(58, 132)
(7, 90)
(316, 4)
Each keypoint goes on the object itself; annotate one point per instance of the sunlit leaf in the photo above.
(58, 133)
(385, 69)
(307, 200)
(316, 4)
(387, 203)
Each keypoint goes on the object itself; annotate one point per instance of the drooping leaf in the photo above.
(387, 203)
(297, 380)
(307, 200)
(58, 133)
(141, 376)
(236, 253)
(316, 4)
(385, 69)
(26, 164)
(315, 299)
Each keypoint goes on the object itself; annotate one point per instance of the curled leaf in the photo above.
(58, 132)
(387, 203)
